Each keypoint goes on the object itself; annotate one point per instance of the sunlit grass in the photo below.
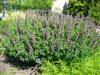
(87, 66)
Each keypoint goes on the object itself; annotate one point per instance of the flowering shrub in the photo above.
(50, 36)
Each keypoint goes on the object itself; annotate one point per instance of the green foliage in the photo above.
(44, 4)
(95, 12)
(58, 68)
(81, 7)
(1, 5)
(27, 40)
(1, 39)
(31, 4)
(76, 7)
(87, 66)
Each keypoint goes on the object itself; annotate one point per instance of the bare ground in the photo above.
(6, 68)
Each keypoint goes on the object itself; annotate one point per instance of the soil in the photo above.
(7, 68)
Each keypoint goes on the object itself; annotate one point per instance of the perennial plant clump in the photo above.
(49, 36)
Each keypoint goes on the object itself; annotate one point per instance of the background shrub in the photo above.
(51, 37)
(81, 7)
(94, 12)
(30, 4)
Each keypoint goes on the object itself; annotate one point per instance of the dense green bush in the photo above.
(81, 7)
(94, 12)
(51, 37)
(31, 4)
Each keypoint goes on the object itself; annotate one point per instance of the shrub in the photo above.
(51, 37)
(94, 12)
(31, 4)
(81, 7)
